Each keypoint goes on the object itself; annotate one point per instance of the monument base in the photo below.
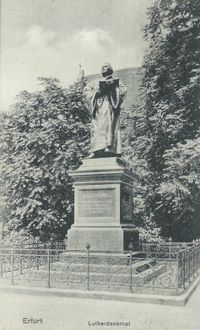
(102, 238)
(103, 206)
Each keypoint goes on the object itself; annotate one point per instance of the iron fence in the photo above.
(188, 265)
(166, 248)
(58, 245)
(168, 272)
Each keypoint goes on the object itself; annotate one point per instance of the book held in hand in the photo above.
(108, 85)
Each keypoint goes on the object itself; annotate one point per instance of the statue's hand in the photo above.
(97, 91)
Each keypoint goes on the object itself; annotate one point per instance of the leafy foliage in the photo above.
(172, 76)
(179, 191)
(167, 124)
(45, 136)
(134, 145)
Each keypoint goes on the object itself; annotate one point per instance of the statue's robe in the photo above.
(105, 125)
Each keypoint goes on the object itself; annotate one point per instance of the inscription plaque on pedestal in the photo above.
(96, 203)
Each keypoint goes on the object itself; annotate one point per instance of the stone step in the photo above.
(98, 258)
(137, 267)
(96, 278)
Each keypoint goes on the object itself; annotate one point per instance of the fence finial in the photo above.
(88, 246)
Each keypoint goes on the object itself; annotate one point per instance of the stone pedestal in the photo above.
(103, 206)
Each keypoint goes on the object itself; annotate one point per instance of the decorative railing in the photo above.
(163, 270)
(168, 248)
(188, 265)
(60, 245)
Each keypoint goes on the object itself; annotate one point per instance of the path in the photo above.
(63, 313)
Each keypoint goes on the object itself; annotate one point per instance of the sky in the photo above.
(50, 38)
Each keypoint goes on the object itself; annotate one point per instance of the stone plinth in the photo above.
(103, 206)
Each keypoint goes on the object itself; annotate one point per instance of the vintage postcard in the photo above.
(99, 165)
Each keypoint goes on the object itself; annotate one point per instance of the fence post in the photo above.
(48, 268)
(1, 261)
(193, 262)
(88, 265)
(170, 248)
(20, 260)
(51, 243)
(12, 265)
(198, 257)
(183, 269)
(189, 265)
(147, 250)
(131, 270)
(178, 259)
(37, 252)
(198, 254)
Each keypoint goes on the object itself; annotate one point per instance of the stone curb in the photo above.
(180, 300)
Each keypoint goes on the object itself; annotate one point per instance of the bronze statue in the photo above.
(104, 98)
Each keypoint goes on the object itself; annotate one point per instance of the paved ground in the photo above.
(76, 314)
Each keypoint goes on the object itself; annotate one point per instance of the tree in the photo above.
(171, 81)
(44, 137)
(170, 117)
(179, 191)
(134, 142)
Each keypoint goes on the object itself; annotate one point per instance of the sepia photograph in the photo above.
(100, 164)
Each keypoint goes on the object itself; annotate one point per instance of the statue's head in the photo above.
(106, 70)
